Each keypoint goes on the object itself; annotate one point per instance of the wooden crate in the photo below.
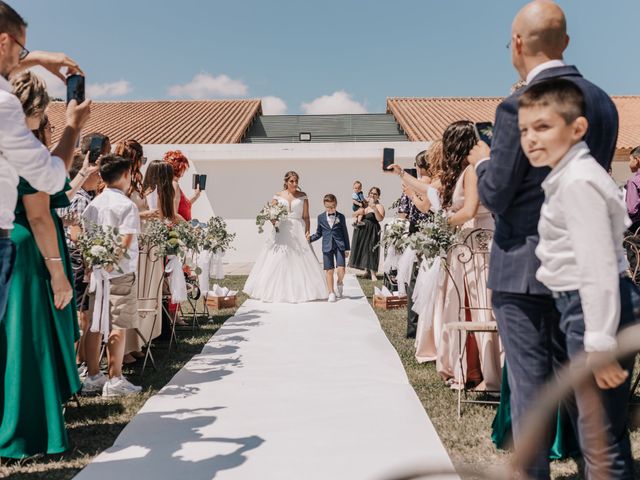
(218, 303)
(387, 303)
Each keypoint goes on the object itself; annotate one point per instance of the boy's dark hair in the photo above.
(635, 153)
(113, 167)
(358, 182)
(330, 197)
(564, 96)
(76, 164)
(85, 143)
(421, 160)
(10, 20)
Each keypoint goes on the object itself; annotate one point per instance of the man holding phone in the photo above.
(21, 154)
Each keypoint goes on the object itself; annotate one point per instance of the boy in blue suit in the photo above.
(332, 228)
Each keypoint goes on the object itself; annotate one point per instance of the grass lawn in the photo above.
(468, 440)
(95, 425)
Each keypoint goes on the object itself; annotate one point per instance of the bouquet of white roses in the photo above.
(214, 236)
(101, 246)
(271, 213)
(395, 235)
(434, 237)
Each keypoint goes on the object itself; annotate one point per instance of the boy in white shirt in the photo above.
(114, 209)
(581, 228)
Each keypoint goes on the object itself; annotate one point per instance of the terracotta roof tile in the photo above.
(425, 119)
(160, 122)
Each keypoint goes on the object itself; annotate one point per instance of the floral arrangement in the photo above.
(395, 235)
(101, 246)
(395, 205)
(271, 213)
(214, 236)
(165, 237)
(434, 237)
(188, 234)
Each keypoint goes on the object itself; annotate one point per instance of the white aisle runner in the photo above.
(308, 391)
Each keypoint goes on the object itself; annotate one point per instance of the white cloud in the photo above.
(273, 106)
(205, 85)
(113, 89)
(337, 102)
(55, 87)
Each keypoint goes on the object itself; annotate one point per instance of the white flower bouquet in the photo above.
(101, 247)
(271, 213)
(214, 236)
(165, 237)
(434, 237)
(395, 235)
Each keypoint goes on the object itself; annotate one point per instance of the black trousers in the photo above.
(412, 317)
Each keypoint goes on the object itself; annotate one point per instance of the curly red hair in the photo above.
(177, 160)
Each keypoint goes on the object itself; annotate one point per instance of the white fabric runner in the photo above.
(283, 391)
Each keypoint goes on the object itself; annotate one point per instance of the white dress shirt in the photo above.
(582, 224)
(22, 155)
(331, 219)
(112, 208)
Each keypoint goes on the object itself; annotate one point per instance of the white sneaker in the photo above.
(93, 385)
(119, 386)
(332, 297)
(339, 287)
(82, 371)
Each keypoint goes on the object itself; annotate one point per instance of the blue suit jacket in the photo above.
(511, 188)
(336, 237)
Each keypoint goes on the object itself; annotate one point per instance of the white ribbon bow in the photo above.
(177, 284)
(99, 283)
(204, 263)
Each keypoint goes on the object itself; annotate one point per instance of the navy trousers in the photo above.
(534, 348)
(602, 414)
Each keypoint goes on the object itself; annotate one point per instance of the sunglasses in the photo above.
(23, 52)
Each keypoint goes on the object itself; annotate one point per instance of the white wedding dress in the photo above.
(286, 269)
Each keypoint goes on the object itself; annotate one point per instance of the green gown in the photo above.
(38, 371)
(564, 443)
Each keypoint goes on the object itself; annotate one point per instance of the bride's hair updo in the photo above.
(288, 176)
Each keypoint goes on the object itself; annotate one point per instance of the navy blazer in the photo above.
(511, 188)
(336, 237)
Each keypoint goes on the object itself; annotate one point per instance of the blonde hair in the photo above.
(435, 158)
(289, 175)
(32, 93)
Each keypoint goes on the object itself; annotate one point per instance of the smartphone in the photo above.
(484, 131)
(202, 181)
(75, 88)
(412, 171)
(95, 149)
(388, 155)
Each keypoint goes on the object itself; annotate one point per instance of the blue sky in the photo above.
(312, 56)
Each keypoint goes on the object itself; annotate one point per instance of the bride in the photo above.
(286, 269)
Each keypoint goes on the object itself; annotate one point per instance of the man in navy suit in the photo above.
(511, 188)
(332, 228)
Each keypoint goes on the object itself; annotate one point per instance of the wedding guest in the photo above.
(357, 201)
(40, 326)
(332, 228)
(511, 189)
(180, 164)
(132, 150)
(365, 254)
(85, 143)
(633, 190)
(112, 208)
(21, 154)
(582, 224)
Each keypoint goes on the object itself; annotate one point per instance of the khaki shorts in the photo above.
(123, 302)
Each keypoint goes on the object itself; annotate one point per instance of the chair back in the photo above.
(467, 267)
(150, 278)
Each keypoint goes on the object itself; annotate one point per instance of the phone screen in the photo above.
(75, 88)
(388, 155)
(412, 171)
(484, 131)
(95, 149)
(202, 182)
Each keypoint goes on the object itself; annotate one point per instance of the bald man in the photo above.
(528, 321)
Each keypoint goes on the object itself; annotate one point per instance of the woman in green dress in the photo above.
(37, 333)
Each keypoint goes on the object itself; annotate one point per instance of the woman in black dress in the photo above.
(365, 251)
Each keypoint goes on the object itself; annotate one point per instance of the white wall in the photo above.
(244, 177)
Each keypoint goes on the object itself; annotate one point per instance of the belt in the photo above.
(4, 233)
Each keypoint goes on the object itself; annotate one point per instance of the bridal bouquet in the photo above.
(214, 236)
(101, 247)
(271, 213)
(395, 235)
(434, 237)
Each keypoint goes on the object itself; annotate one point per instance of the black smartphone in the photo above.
(195, 181)
(388, 155)
(95, 149)
(412, 171)
(484, 131)
(75, 88)
(202, 181)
